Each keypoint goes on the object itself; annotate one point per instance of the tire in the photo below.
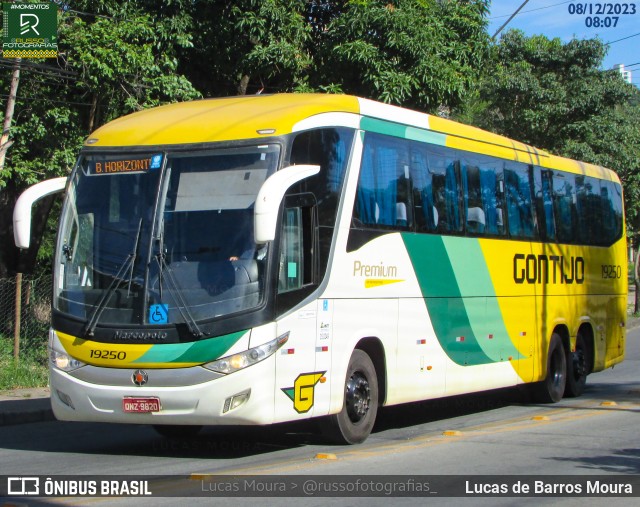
(577, 368)
(176, 431)
(354, 422)
(551, 389)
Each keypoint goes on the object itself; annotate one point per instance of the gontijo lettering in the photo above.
(547, 269)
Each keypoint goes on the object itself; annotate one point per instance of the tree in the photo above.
(247, 46)
(417, 53)
(421, 54)
(113, 59)
(554, 96)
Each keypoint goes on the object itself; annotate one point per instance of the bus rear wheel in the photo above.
(551, 389)
(577, 368)
(353, 424)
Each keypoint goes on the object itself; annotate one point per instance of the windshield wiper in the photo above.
(135, 256)
(128, 263)
(176, 292)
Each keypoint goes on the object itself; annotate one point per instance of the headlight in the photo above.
(249, 357)
(64, 361)
(61, 360)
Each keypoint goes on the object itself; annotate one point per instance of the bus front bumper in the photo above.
(245, 397)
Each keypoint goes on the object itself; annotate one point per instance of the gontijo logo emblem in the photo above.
(303, 391)
(30, 30)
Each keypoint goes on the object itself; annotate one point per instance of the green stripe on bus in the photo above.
(460, 298)
(202, 351)
(479, 297)
(443, 298)
(402, 131)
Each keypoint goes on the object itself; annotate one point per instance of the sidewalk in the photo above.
(22, 406)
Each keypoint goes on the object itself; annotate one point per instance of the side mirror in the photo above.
(22, 209)
(270, 196)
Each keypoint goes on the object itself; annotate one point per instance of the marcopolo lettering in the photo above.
(140, 335)
(547, 269)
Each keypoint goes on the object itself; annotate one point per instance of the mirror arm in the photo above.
(270, 196)
(22, 209)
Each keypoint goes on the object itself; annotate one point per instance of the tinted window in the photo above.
(330, 149)
(611, 195)
(564, 206)
(483, 197)
(544, 204)
(383, 196)
(435, 177)
(517, 179)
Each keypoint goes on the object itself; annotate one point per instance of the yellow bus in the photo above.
(260, 259)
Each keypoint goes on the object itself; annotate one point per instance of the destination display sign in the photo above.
(116, 165)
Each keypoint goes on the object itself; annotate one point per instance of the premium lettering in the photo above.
(374, 270)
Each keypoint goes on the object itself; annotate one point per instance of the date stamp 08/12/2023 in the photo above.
(603, 15)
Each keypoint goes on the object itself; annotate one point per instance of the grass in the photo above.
(29, 371)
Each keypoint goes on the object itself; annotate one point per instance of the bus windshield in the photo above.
(162, 238)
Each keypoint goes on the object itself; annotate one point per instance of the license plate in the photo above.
(140, 405)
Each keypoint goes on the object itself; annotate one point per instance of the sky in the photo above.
(566, 19)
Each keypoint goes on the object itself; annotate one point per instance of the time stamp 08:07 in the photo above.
(602, 15)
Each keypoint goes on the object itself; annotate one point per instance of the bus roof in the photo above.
(223, 119)
(259, 116)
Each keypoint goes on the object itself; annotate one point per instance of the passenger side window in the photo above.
(383, 196)
(564, 206)
(517, 179)
(611, 198)
(483, 196)
(436, 189)
(588, 209)
(544, 204)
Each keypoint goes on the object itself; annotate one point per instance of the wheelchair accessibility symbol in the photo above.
(158, 314)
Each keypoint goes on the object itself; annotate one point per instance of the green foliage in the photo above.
(554, 96)
(120, 61)
(248, 46)
(29, 371)
(122, 64)
(420, 54)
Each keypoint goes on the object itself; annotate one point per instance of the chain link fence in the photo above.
(25, 311)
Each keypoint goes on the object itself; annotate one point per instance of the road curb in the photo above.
(26, 417)
(23, 406)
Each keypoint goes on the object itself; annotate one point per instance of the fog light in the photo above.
(65, 398)
(236, 400)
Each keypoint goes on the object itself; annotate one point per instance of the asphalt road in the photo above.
(495, 435)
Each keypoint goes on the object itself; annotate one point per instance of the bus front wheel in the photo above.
(551, 389)
(353, 424)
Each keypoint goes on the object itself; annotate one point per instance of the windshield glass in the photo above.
(162, 238)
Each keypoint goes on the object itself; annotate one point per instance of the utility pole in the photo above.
(509, 20)
(5, 144)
